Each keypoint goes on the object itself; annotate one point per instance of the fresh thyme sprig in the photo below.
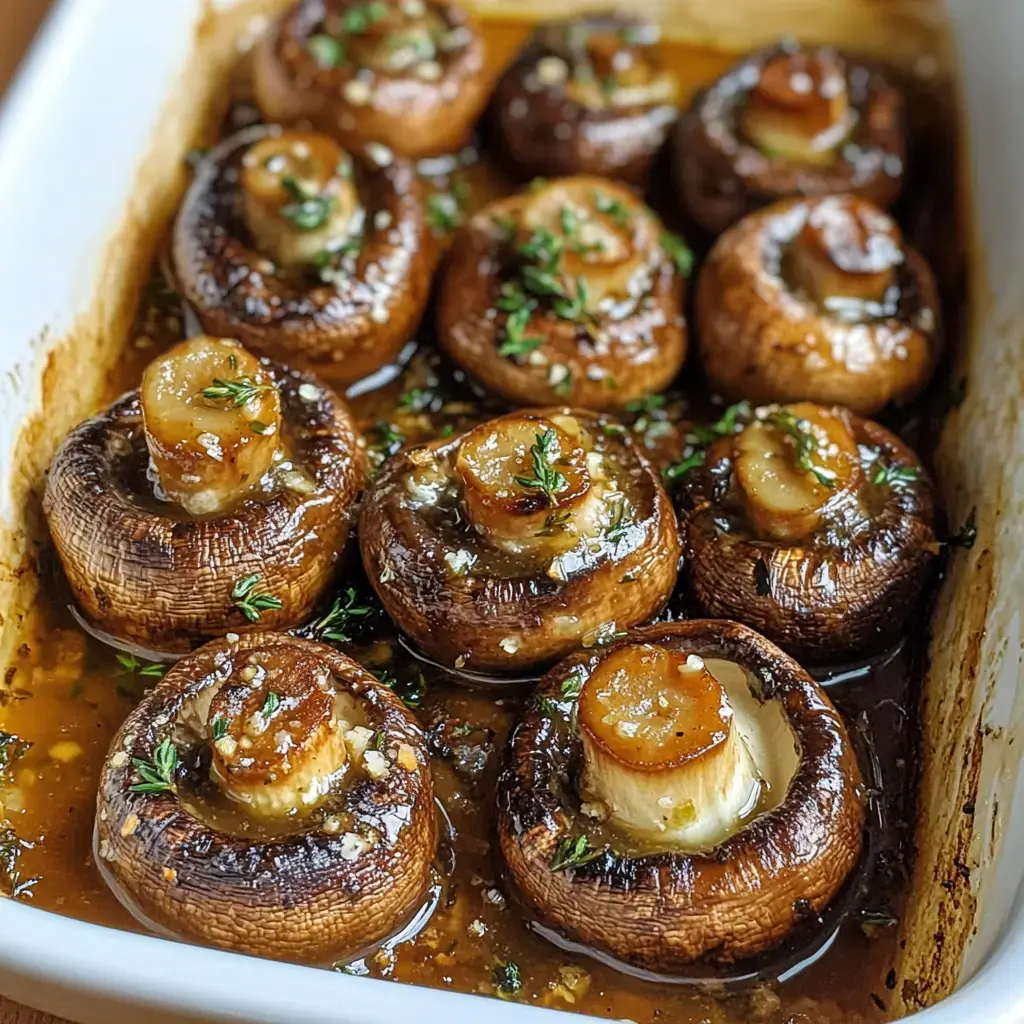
(270, 705)
(573, 853)
(699, 438)
(805, 443)
(545, 477)
(892, 475)
(239, 392)
(506, 977)
(136, 666)
(157, 775)
(251, 600)
(572, 685)
(679, 252)
(343, 619)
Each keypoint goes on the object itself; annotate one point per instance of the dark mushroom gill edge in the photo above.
(408, 74)
(468, 601)
(350, 308)
(145, 571)
(587, 96)
(323, 886)
(662, 911)
(842, 111)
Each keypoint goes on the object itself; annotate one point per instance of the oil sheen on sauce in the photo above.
(67, 694)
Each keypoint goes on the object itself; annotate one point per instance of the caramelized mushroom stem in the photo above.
(846, 255)
(791, 463)
(212, 416)
(527, 483)
(277, 731)
(661, 749)
(299, 197)
(800, 109)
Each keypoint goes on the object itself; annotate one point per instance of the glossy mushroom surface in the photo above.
(789, 121)
(570, 291)
(688, 793)
(813, 526)
(218, 495)
(408, 74)
(305, 252)
(818, 299)
(513, 544)
(271, 797)
(585, 96)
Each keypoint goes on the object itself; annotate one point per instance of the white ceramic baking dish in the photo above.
(91, 140)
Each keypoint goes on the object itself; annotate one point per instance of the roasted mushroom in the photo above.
(405, 73)
(586, 96)
(269, 796)
(304, 252)
(509, 546)
(813, 526)
(818, 299)
(570, 291)
(688, 793)
(789, 121)
(218, 495)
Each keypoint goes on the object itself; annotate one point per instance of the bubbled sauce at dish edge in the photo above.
(67, 694)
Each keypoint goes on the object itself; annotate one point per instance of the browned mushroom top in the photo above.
(688, 793)
(571, 290)
(789, 121)
(218, 495)
(509, 546)
(813, 526)
(405, 73)
(818, 299)
(305, 252)
(586, 96)
(269, 796)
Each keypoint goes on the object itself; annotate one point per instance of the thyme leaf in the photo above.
(307, 210)
(345, 616)
(250, 599)
(157, 775)
(136, 666)
(545, 478)
(239, 392)
(573, 853)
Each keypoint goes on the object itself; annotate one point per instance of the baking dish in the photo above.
(98, 123)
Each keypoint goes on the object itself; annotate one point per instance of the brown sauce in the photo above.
(68, 693)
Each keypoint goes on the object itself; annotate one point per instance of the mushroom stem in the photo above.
(845, 256)
(212, 417)
(800, 108)
(277, 731)
(661, 749)
(790, 465)
(299, 197)
(529, 485)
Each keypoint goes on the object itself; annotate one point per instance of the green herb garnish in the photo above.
(251, 600)
(573, 853)
(327, 51)
(220, 728)
(616, 209)
(389, 438)
(307, 210)
(517, 344)
(506, 977)
(239, 392)
(545, 478)
(342, 620)
(136, 666)
(270, 705)
(679, 252)
(892, 475)
(805, 444)
(572, 685)
(444, 212)
(967, 534)
(157, 775)
(619, 524)
(358, 18)
(680, 469)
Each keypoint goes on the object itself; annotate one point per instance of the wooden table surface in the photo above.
(19, 20)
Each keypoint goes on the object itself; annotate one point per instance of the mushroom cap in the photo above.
(505, 612)
(287, 894)
(849, 588)
(662, 911)
(721, 177)
(144, 571)
(636, 352)
(541, 129)
(759, 340)
(415, 114)
(343, 329)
